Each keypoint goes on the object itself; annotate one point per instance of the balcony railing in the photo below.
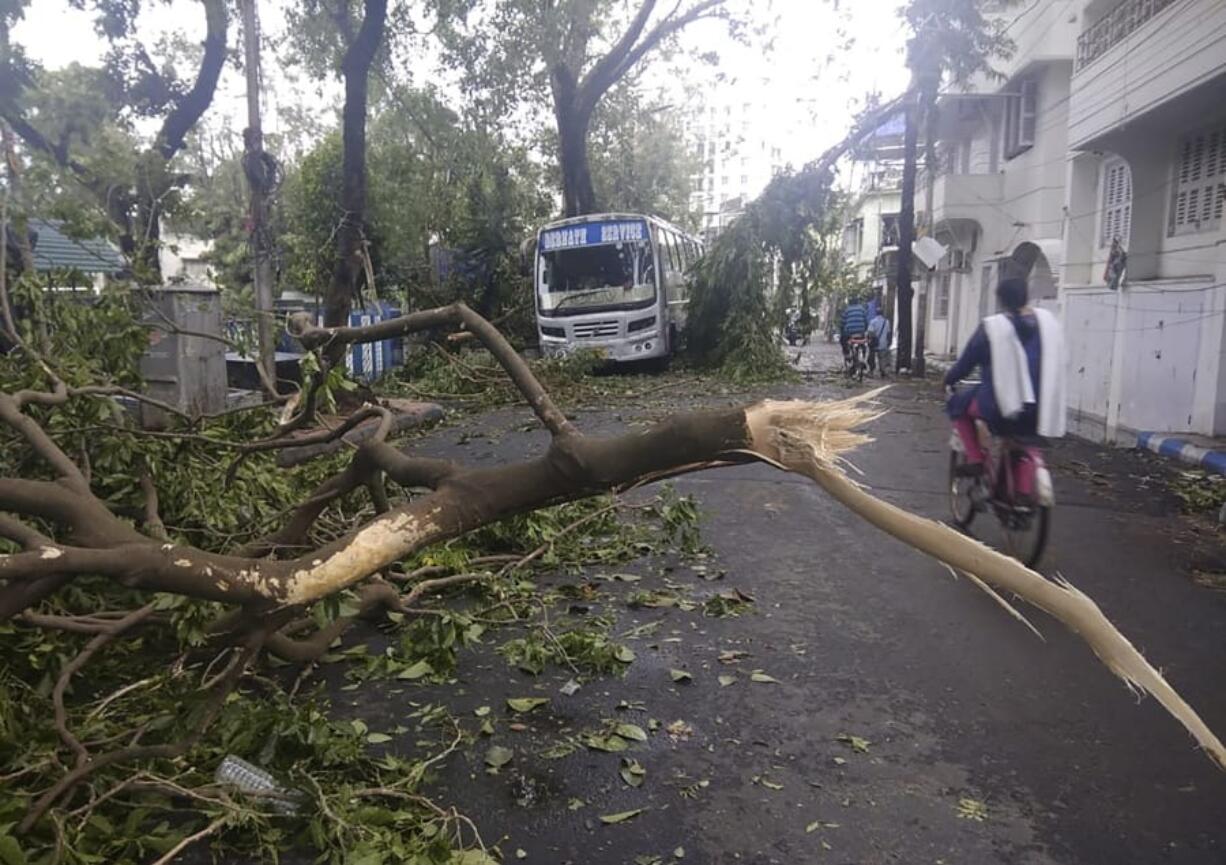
(1114, 27)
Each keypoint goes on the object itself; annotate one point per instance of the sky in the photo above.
(825, 57)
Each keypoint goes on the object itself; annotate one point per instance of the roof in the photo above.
(54, 250)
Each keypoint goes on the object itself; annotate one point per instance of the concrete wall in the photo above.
(1173, 52)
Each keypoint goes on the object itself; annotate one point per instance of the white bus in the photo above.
(614, 282)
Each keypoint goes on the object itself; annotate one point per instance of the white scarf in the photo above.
(1011, 373)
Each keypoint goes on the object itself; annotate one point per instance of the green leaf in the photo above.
(497, 756)
(856, 743)
(481, 711)
(10, 851)
(632, 772)
(526, 704)
(416, 671)
(680, 675)
(624, 654)
(725, 681)
(621, 816)
(378, 738)
(631, 731)
(611, 744)
(759, 676)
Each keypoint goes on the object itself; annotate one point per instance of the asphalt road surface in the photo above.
(984, 744)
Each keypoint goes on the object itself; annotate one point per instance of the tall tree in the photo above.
(577, 50)
(132, 87)
(953, 40)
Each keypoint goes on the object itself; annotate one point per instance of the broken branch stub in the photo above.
(811, 438)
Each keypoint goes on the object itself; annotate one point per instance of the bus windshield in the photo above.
(610, 275)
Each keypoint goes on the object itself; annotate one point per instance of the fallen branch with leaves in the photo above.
(264, 591)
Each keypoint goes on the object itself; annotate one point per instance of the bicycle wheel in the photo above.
(961, 492)
(1026, 531)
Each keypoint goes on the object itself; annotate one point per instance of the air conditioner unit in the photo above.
(959, 260)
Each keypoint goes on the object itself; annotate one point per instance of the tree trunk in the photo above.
(578, 194)
(18, 221)
(906, 234)
(351, 236)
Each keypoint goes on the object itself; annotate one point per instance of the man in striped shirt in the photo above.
(854, 323)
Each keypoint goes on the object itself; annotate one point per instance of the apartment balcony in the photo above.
(967, 196)
(1143, 56)
(1116, 26)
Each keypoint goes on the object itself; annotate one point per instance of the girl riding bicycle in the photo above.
(1021, 393)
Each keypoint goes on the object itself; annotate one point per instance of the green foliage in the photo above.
(585, 648)
(731, 325)
(640, 161)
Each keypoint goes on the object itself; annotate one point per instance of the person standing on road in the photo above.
(879, 337)
(1019, 353)
(854, 323)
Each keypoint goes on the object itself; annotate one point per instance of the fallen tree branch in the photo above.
(809, 439)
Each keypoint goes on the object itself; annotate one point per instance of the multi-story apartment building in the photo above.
(738, 139)
(1107, 128)
(870, 228)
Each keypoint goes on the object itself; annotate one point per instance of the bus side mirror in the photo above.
(527, 255)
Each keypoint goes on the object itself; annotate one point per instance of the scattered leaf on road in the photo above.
(378, 738)
(856, 743)
(569, 688)
(972, 809)
(766, 678)
(497, 756)
(725, 681)
(621, 816)
(481, 711)
(631, 731)
(680, 675)
(416, 671)
(625, 654)
(612, 744)
(632, 772)
(526, 704)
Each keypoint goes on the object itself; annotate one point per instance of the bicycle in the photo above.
(1014, 484)
(856, 362)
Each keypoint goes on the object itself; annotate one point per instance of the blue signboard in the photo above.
(593, 234)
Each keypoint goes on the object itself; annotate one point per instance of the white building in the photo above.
(870, 227)
(739, 138)
(1110, 123)
(183, 258)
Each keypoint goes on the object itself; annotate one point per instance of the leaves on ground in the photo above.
(725, 681)
(764, 678)
(621, 816)
(523, 705)
(631, 731)
(632, 772)
(679, 675)
(497, 756)
(972, 809)
(856, 743)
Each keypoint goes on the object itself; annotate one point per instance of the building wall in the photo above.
(1151, 356)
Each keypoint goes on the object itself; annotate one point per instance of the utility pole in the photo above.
(921, 324)
(261, 179)
(906, 230)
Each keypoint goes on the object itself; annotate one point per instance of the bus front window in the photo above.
(605, 276)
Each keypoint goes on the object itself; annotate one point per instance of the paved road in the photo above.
(868, 638)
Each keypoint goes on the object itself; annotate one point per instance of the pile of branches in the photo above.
(259, 601)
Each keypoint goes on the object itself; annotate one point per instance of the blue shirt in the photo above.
(855, 320)
(879, 327)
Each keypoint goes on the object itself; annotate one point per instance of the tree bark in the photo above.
(351, 235)
(578, 193)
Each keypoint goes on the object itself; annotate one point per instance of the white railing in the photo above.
(1114, 27)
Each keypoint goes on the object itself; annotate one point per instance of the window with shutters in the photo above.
(1200, 182)
(1116, 184)
(940, 303)
(1021, 117)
